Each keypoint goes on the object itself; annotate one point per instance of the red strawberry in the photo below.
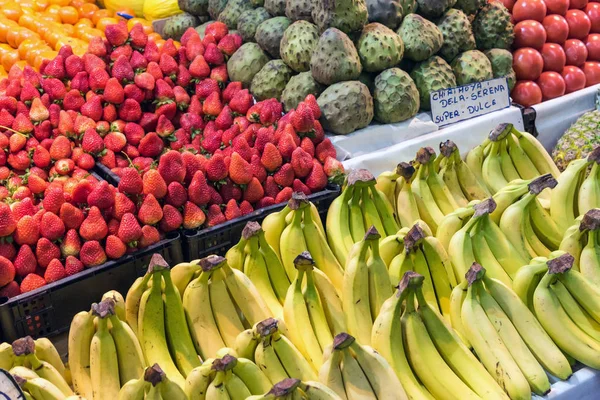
(28, 93)
(64, 167)
(97, 79)
(22, 124)
(192, 163)
(317, 180)
(83, 123)
(133, 92)
(71, 244)
(232, 210)
(138, 37)
(219, 74)
(241, 102)
(171, 167)
(271, 187)
(206, 87)
(212, 105)
(93, 226)
(53, 199)
(168, 65)
(194, 48)
(150, 212)
(284, 196)
(122, 206)
(154, 70)
(230, 91)
(153, 183)
(287, 145)
(92, 142)
(241, 146)
(168, 110)
(217, 29)
(285, 176)
(311, 102)
(73, 64)
(45, 252)
(8, 250)
(198, 190)
(86, 162)
(80, 83)
(38, 111)
(134, 133)
(333, 168)
(97, 47)
(215, 168)
(55, 68)
(230, 191)
(60, 148)
(25, 262)
(92, 254)
(131, 182)
(73, 266)
(115, 248)
(301, 163)
(117, 34)
(229, 44)
(325, 149)
(303, 118)
(52, 227)
(41, 157)
(81, 192)
(246, 208)
(149, 237)
(130, 111)
(199, 68)
(145, 81)
(308, 146)
(318, 133)
(7, 221)
(182, 98)
(28, 231)
(176, 194)
(264, 136)
(55, 271)
(239, 170)
(257, 168)
(165, 127)
(151, 145)
(270, 112)
(163, 93)
(215, 216)
(32, 282)
(172, 219)
(129, 230)
(271, 157)
(71, 216)
(93, 108)
(115, 141)
(193, 216)
(113, 92)
(184, 78)
(298, 186)
(254, 191)
(169, 48)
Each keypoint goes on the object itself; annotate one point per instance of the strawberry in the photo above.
(53, 199)
(52, 227)
(219, 74)
(114, 247)
(131, 91)
(80, 83)
(102, 196)
(287, 145)
(193, 216)
(199, 68)
(284, 196)
(25, 262)
(168, 110)
(164, 127)
(299, 186)
(212, 106)
(117, 34)
(82, 124)
(129, 230)
(32, 282)
(93, 226)
(169, 48)
(133, 133)
(60, 148)
(92, 142)
(271, 187)
(217, 29)
(172, 219)
(206, 87)
(153, 183)
(198, 190)
(194, 48)
(230, 191)
(325, 149)
(215, 216)
(308, 146)
(318, 133)
(45, 252)
(73, 64)
(285, 176)
(264, 136)
(8, 103)
(81, 192)
(271, 158)
(149, 237)
(138, 37)
(163, 93)
(168, 65)
(182, 98)
(311, 102)
(215, 168)
(97, 47)
(38, 112)
(55, 68)
(232, 210)
(270, 112)
(317, 180)
(145, 81)
(303, 118)
(246, 208)
(171, 168)
(130, 110)
(334, 169)
(8, 250)
(55, 271)
(151, 145)
(22, 124)
(240, 145)
(257, 168)
(176, 194)
(184, 78)
(241, 102)
(192, 163)
(230, 91)
(239, 170)
(122, 206)
(86, 162)
(73, 265)
(93, 108)
(154, 70)
(71, 216)
(131, 182)
(64, 167)
(113, 226)
(229, 44)
(97, 79)
(113, 92)
(8, 224)
(71, 244)
(254, 191)
(150, 212)
(301, 162)
(229, 135)
(115, 141)
(92, 254)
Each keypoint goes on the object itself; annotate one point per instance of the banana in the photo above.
(355, 295)
(45, 351)
(132, 301)
(390, 247)
(356, 217)
(450, 178)
(589, 193)
(274, 224)
(331, 301)
(386, 184)
(485, 256)
(573, 241)
(460, 250)
(380, 286)
(459, 293)
(513, 224)
(455, 353)
(385, 210)
(406, 203)
(530, 330)
(581, 318)
(197, 381)
(235, 255)
(7, 357)
(45, 370)
(129, 351)
(330, 374)
(279, 279)
(254, 379)
(224, 311)
(154, 394)
(563, 203)
(370, 212)
(268, 362)
(151, 323)
(319, 249)
(501, 248)
(589, 263)
(490, 348)
(508, 168)
(429, 211)
(338, 225)
(316, 311)
(104, 365)
(81, 333)
(536, 153)
(356, 384)
(297, 316)
(451, 224)
(521, 161)
(386, 338)
(295, 365)
(544, 226)
(492, 169)
(475, 158)
(584, 291)
(442, 274)
(507, 196)
(425, 360)
(527, 279)
(292, 240)
(236, 389)
(442, 195)
(182, 274)
(23, 372)
(317, 391)
(171, 390)
(245, 344)
(135, 389)
(40, 388)
(119, 303)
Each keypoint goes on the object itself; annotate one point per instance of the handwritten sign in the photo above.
(464, 102)
(9, 390)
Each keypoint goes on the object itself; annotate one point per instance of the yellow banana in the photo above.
(132, 301)
(563, 204)
(406, 203)
(274, 224)
(119, 303)
(81, 333)
(235, 255)
(135, 389)
(292, 240)
(224, 311)
(536, 153)
(129, 351)
(338, 225)
(45, 351)
(588, 197)
(104, 366)
(474, 159)
(182, 274)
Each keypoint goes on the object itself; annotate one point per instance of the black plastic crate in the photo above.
(105, 173)
(48, 310)
(219, 239)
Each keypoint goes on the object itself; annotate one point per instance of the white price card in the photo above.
(9, 390)
(464, 102)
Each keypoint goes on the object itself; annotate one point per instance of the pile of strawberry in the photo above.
(190, 151)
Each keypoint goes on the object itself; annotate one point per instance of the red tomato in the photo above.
(579, 4)
(579, 24)
(554, 57)
(592, 42)
(557, 6)
(552, 85)
(574, 78)
(528, 64)
(526, 93)
(529, 33)
(557, 28)
(529, 9)
(593, 11)
(508, 4)
(576, 52)
(591, 69)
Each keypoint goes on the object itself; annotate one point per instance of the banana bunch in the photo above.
(355, 372)
(220, 303)
(298, 228)
(226, 377)
(396, 187)
(360, 206)
(508, 154)
(312, 310)
(36, 376)
(366, 287)
(577, 191)
(424, 254)
(567, 305)
(582, 241)
(291, 388)
(154, 384)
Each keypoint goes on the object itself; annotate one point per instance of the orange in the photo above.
(21, 64)
(61, 3)
(11, 36)
(89, 34)
(68, 29)
(26, 34)
(52, 38)
(54, 9)
(50, 17)
(84, 22)
(155, 37)
(41, 5)
(101, 14)
(25, 46)
(27, 21)
(9, 58)
(104, 22)
(68, 15)
(87, 10)
(124, 10)
(77, 3)
(131, 23)
(12, 11)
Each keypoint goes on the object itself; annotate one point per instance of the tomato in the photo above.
(592, 42)
(528, 64)
(574, 78)
(509, 4)
(557, 6)
(579, 4)
(579, 24)
(552, 85)
(554, 57)
(529, 9)
(576, 52)
(529, 33)
(593, 11)
(591, 69)
(526, 93)
(557, 28)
